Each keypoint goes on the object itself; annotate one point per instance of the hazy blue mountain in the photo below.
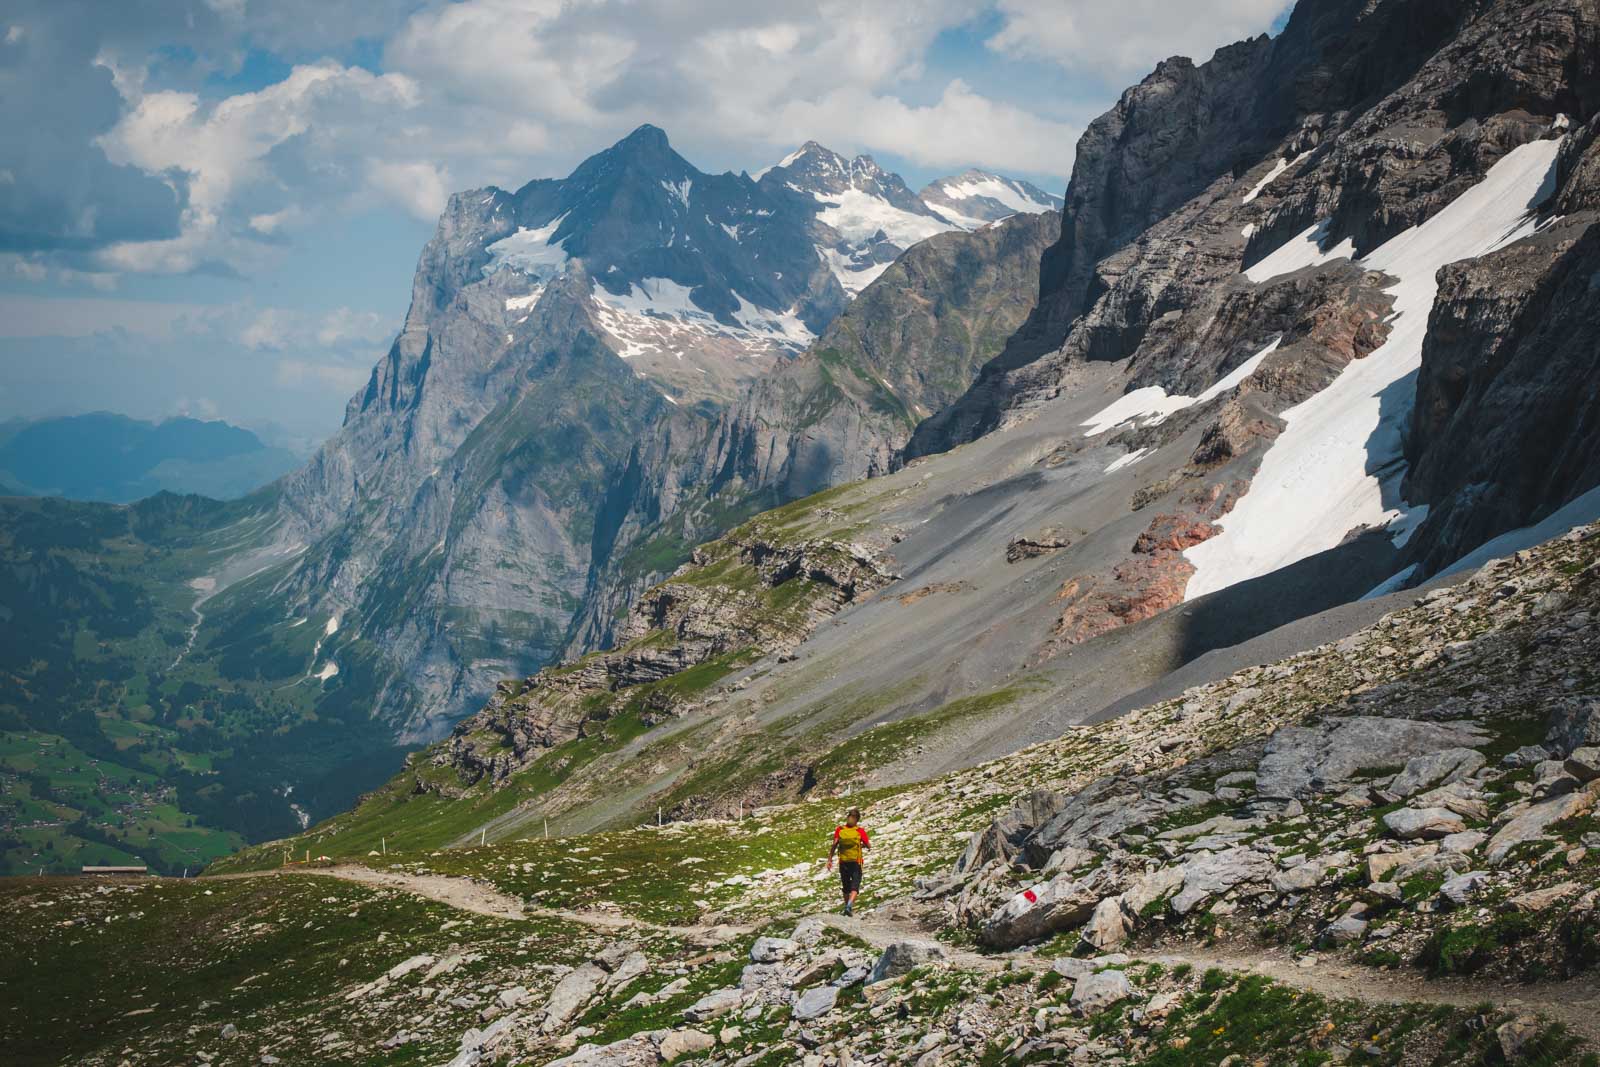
(113, 458)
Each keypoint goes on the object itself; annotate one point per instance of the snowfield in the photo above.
(1338, 464)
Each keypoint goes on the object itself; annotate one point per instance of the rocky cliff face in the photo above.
(1394, 112)
(1511, 345)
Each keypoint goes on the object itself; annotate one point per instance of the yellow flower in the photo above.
(1219, 1029)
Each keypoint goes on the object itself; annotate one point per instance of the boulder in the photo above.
(1072, 967)
(1465, 842)
(1003, 838)
(1584, 764)
(1538, 900)
(1574, 726)
(815, 1002)
(808, 931)
(904, 956)
(1516, 1036)
(1380, 864)
(1308, 875)
(1109, 925)
(570, 995)
(684, 1043)
(1345, 931)
(716, 1003)
(1324, 758)
(1459, 890)
(1459, 797)
(772, 949)
(1094, 993)
(1061, 904)
(1532, 822)
(1434, 768)
(640, 1050)
(1415, 824)
(1210, 874)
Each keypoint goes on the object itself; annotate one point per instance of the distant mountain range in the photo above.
(116, 459)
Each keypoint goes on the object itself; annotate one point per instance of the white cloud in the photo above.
(960, 127)
(1122, 41)
(421, 188)
(222, 150)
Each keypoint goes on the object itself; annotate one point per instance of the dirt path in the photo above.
(461, 893)
(1574, 1003)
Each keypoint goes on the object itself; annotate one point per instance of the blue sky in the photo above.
(214, 206)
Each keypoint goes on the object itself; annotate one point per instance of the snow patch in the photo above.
(1272, 176)
(529, 251)
(523, 303)
(679, 190)
(1127, 461)
(995, 188)
(329, 670)
(1338, 464)
(1300, 251)
(1151, 405)
(858, 216)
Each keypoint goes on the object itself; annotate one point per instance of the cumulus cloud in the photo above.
(1121, 41)
(325, 111)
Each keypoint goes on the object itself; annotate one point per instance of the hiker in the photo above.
(849, 844)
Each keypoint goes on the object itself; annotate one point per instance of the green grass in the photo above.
(83, 969)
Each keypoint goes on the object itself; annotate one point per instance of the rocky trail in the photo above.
(1575, 1003)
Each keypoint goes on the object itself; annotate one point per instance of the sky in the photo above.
(214, 207)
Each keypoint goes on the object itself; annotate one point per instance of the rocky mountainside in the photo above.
(1392, 114)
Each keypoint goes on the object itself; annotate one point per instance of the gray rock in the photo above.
(1463, 887)
(1061, 904)
(1347, 930)
(1584, 764)
(570, 995)
(772, 949)
(1109, 925)
(1072, 967)
(1208, 875)
(1538, 900)
(684, 1043)
(816, 1002)
(1416, 824)
(904, 956)
(716, 1003)
(1324, 758)
(1422, 772)
(1094, 993)
(1465, 842)
(1526, 756)
(1531, 823)
(808, 931)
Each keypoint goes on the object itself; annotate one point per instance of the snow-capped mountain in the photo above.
(976, 197)
(863, 216)
(700, 280)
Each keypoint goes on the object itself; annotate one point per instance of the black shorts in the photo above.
(850, 876)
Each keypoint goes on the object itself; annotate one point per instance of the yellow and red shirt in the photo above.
(851, 840)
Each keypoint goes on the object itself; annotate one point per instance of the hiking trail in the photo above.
(1574, 1003)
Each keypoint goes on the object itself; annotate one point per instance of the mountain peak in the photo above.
(646, 136)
